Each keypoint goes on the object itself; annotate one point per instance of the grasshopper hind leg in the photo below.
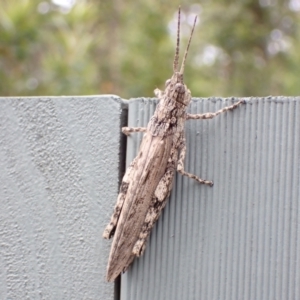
(159, 201)
(111, 227)
(213, 115)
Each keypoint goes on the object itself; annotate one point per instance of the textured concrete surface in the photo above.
(239, 239)
(59, 168)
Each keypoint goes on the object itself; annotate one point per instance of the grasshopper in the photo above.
(147, 182)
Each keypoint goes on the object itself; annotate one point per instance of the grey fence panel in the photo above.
(59, 169)
(239, 239)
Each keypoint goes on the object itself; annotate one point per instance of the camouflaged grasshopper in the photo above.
(148, 180)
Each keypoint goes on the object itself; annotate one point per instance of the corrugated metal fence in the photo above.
(239, 239)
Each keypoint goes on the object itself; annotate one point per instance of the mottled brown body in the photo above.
(148, 180)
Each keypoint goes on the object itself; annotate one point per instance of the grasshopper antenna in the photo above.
(187, 48)
(176, 58)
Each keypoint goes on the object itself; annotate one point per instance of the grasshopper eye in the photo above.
(167, 82)
(179, 87)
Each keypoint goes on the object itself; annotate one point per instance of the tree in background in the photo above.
(240, 48)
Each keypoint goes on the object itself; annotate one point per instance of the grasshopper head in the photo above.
(177, 90)
(175, 86)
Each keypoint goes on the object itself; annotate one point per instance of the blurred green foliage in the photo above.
(240, 48)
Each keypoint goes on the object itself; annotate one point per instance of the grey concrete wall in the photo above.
(239, 239)
(59, 168)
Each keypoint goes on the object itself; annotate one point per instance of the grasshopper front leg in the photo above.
(212, 115)
(158, 93)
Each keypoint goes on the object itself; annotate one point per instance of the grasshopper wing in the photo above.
(149, 168)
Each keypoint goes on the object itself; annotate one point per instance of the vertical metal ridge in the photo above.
(294, 274)
(241, 238)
